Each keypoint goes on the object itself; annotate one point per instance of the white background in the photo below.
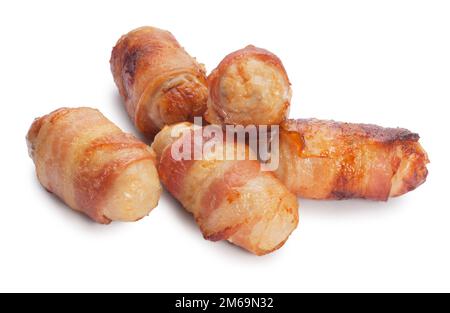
(383, 62)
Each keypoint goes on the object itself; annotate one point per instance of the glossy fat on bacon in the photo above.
(330, 160)
(231, 200)
(250, 86)
(93, 166)
(160, 83)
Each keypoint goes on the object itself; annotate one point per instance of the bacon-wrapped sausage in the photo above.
(160, 83)
(230, 199)
(330, 160)
(93, 166)
(250, 86)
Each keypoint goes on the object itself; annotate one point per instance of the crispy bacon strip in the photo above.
(330, 160)
(93, 166)
(250, 86)
(230, 200)
(160, 83)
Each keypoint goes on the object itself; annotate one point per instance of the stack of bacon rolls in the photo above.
(95, 168)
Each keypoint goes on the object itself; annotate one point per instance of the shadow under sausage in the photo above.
(339, 208)
(70, 214)
(180, 212)
(60, 205)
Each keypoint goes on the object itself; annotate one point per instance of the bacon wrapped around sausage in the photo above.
(249, 87)
(93, 166)
(160, 83)
(230, 199)
(329, 160)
